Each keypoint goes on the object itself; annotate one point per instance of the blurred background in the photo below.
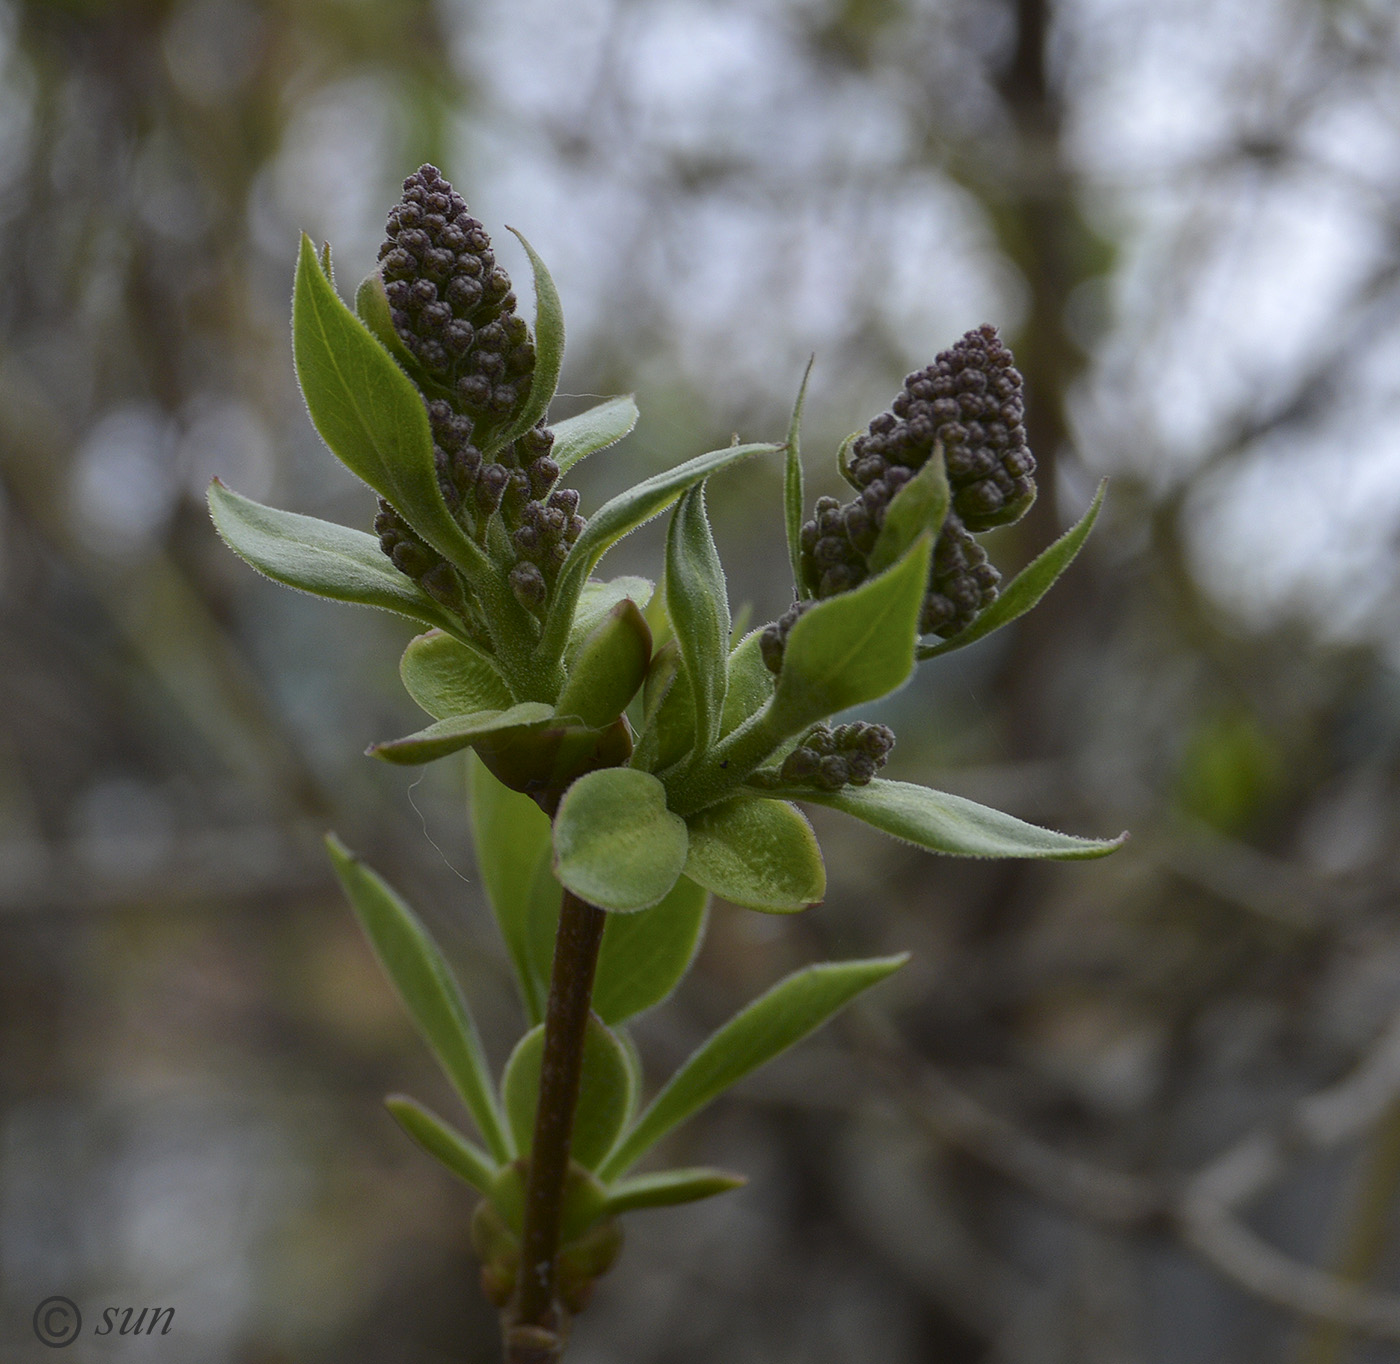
(1142, 1111)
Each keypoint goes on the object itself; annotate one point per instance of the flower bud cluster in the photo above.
(970, 401)
(968, 404)
(827, 759)
(454, 310)
(451, 304)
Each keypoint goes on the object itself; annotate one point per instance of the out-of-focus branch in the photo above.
(1203, 1210)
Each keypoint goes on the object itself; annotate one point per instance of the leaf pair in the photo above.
(618, 845)
(606, 1137)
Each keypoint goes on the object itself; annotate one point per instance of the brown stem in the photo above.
(533, 1333)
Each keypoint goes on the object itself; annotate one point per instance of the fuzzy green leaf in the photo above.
(423, 982)
(616, 844)
(920, 505)
(446, 678)
(1028, 586)
(758, 853)
(457, 732)
(608, 667)
(549, 352)
(514, 852)
(464, 1158)
(668, 715)
(320, 557)
(854, 647)
(368, 411)
(793, 496)
(698, 602)
(597, 599)
(604, 1100)
(787, 1013)
(645, 955)
(372, 308)
(578, 437)
(667, 1188)
(750, 684)
(623, 514)
(952, 824)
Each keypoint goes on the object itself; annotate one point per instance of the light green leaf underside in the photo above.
(854, 647)
(369, 412)
(952, 824)
(464, 1158)
(319, 557)
(616, 844)
(605, 1093)
(578, 437)
(645, 955)
(750, 685)
(1028, 586)
(511, 836)
(423, 982)
(446, 678)
(624, 513)
(457, 732)
(597, 599)
(770, 1025)
(761, 854)
(698, 602)
(667, 1188)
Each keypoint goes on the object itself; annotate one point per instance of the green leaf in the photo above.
(369, 413)
(793, 496)
(549, 352)
(578, 437)
(787, 1013)
(321, 558)
(597, 599)
(666, 1188)
(420, 976)
(607, 668)
(698, 601)
(668, 715)
(1028, 586)
(511, 836)
(446, 678)
(843, 458)
(464, 1158)
(604, 1100)
(645, 955)
(616, 845)
(372, 308)
(750, 684)
(758, 853)
(855, 647)
(623, 514)
(458, 732)
(951, 824)
(920, 505)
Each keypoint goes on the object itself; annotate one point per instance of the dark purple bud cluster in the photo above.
(962, 582)
(827, 759)
(969, 400)
(451, 304)
(418, 560)
(773, 641)
(453, 308)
